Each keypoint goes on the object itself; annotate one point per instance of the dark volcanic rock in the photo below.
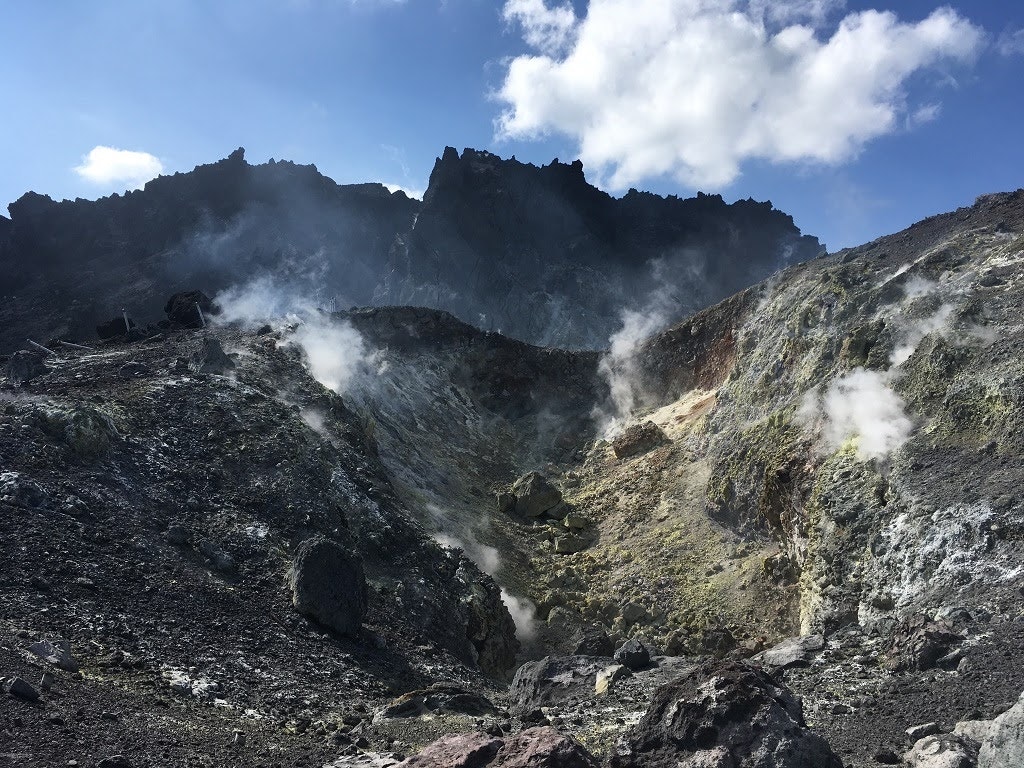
(189, 309)
(543, 748)
(211, 359)
(920, 644)
(439, 698)
(536, 252)
(466, 750)
(634, 654)
(724, 714)
(114, 328)
(328, 585)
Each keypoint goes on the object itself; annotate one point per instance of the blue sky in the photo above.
(856, 118)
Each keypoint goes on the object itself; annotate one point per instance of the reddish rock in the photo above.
(464, 750)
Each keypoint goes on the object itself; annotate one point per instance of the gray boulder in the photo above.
(724, 714)
(792, 652)
(1001, 739)
(944, 751)
(553, 679)
(57, 653)
(328, 585)
(535, 495)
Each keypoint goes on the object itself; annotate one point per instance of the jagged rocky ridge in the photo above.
(537, 253)
(836, 455)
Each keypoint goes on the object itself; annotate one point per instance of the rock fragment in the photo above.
(56, 653)
(21, 689)
(637, 439)
(553, 679)
(943, 751)
(211, 359)
(792, 652)
(328, 585)
(535, 495)
(634, 654)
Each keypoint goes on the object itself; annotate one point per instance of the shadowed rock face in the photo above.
(535, 252)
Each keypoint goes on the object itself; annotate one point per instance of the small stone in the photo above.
(114, 761)
(917, 732)
(176, 534)
(57, 653)
(841, 709)
(634, 654)
(21, 689)
(607, 677)
(46, 681)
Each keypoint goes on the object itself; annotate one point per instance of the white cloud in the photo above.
(107, 165)
(1011, 42)
(546, 29)
(693, 88)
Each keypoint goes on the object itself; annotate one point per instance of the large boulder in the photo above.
(553, 679)
(543, 748)
(328, 585)
(724, 715)
(189, 309)
(634, 654)
(535, 495)
(945, 751)
(637, 439)
(792, 652)
(920, 643)
(463, 750)
(1002, 739)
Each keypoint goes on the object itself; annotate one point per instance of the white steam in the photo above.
(485, 557)
(524, 614)
(335, 352)
(619, 366)
(914, 333)
(859, 406)
(488, 560)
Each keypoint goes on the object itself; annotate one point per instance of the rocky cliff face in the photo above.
(535, 252)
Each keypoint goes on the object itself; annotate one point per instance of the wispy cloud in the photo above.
(1011, 42)
(695, 88)
(107, 165)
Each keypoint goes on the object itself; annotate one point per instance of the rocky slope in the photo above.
(535, 252)
(831, 455)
